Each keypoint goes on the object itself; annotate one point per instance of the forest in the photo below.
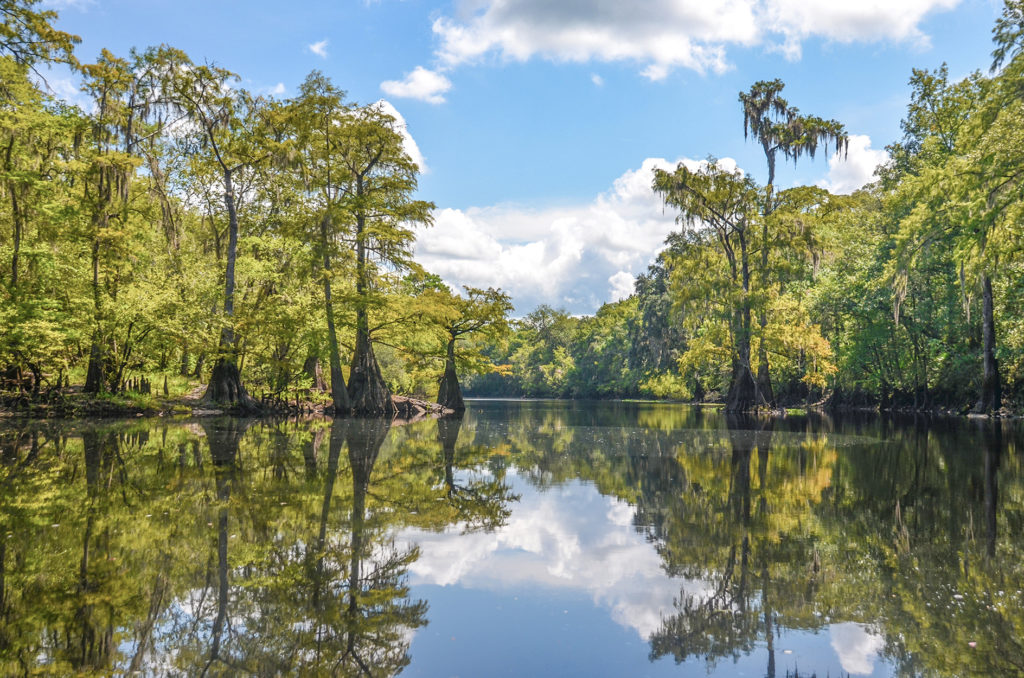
(186, 229)
(185, 232)
(904, 295)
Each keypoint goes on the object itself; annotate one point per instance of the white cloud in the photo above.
(69, 90)
(318, 48)
(421, 83)
(856, 646)
(622, 284)
(410, 145)
(576, 257)
(845, 22)
(857, 168)
(668, 34)
(597, 79)
(277, 90)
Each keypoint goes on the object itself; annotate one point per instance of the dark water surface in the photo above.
(527, 539)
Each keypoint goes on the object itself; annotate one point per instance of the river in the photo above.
(528, 538)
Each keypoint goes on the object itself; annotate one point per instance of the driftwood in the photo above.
(413, 409)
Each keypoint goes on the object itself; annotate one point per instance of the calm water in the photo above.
(527, 539)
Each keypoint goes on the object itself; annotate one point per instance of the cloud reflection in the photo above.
(568, 537)
(856, 646)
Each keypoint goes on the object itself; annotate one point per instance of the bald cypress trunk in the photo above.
(312, 368)
(368, 393)
(764, 379)
(339, 392)
(449, 393)
(94, 376)
(991, 387)
(744, 395)
(225, 387)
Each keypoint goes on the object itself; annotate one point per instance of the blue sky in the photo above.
(539, 121)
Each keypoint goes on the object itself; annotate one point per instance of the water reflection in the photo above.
(219, 548)
(223, 547)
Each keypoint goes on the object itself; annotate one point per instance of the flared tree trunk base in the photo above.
(764, 383)
(226, 390)
(449, 393)
(94, 376)
(368, 394)
(990, 401)
(744, 395)
(991, 385)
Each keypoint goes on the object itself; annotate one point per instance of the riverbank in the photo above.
(791, 408)
(72, 403)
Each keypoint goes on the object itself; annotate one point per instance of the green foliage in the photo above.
(184, 221)
(902, 295)
(27, 36)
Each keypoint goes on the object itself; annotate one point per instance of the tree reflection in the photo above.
(224, 437)
(725, 621)
(124, 551)
(269, 548)
(914, 538)
(478, 502)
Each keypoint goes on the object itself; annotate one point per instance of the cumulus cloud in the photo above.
(575, 257)
(421, 83)
(668, 34)
(597, 79)
(848, 173)
(410, 145)
(622, 284)
(568, 538)
(862, 21)
(318, 48)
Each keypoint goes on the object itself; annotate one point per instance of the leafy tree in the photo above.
(948, 194)
(481, 313)
(726, 202)
(28, 36)
(226, 135)
(36, 135)
(379, 180)
(318, 115)
(779, 127)
(110, 169)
